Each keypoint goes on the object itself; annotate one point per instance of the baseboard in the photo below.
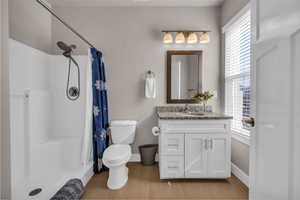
(240, 174)
(88, 175)
(136, 157)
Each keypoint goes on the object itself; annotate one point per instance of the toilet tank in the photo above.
(123, 131)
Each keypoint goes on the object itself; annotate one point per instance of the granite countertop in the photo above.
(186, 116)
(176, 113)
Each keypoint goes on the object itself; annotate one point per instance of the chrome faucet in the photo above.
(187, 108)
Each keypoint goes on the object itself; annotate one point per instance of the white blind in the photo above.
(237, 71)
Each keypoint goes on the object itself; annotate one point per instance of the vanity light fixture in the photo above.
(204, 38)
(186, 36)
(192, 38)
(180, 38)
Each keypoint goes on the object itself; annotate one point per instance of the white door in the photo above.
(218, 156)
(275, 141)
(195, 155)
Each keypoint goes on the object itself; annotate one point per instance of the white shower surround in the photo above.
(47, 129)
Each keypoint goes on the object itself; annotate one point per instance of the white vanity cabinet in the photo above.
(194, 149)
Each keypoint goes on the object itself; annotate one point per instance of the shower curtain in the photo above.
(87, 149)
(100, 109)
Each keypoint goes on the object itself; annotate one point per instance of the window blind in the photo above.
(237, 72)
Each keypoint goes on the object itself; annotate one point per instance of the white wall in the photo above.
(131, 41)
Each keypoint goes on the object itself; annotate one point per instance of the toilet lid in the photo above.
(117, 153)
(123, 123)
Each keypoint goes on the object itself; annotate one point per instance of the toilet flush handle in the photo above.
(156, 131)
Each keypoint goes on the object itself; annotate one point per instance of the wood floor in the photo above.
(144, 184)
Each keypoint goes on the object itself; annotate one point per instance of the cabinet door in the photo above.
(195, 156)
(218, 156)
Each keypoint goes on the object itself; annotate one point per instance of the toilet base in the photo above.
(118, 177)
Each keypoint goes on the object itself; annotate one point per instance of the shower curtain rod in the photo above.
(63, 22)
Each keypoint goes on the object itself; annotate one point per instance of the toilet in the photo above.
(117, 155)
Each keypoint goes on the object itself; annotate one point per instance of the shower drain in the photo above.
(35, 192)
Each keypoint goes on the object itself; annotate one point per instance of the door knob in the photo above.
(249, 121)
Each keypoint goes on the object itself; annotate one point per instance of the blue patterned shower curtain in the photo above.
(100, 109)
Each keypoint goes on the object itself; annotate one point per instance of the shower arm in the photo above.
(63, 22)
(74, 61)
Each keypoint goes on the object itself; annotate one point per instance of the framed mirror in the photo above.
(184, 76)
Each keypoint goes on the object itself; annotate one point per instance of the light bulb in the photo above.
(168, 38)
(180, 38)
(192, 38)
(204, 38)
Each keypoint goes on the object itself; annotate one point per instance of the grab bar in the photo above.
(21, 95)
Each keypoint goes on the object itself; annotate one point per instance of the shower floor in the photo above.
(144, 183)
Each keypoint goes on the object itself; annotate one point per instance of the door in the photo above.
(275, 153)
(218, 156)
(196, 155)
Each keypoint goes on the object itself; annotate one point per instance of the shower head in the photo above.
(66, 48)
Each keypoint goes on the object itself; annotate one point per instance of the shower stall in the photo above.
(50, 117)
(47, 129)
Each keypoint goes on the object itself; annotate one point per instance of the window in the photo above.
(237, 71)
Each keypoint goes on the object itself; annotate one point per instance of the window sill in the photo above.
(245, 139)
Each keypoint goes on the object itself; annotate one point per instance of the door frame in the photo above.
(254, 37)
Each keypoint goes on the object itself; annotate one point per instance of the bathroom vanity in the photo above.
(194, 144)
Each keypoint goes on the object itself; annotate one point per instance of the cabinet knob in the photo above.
(173, 145)
(172, 167)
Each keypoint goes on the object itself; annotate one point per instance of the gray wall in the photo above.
(230, 8)
(240, 151)
(131, 41)
(4, 98)
(30, 24)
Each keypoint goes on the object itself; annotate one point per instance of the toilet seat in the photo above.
(116, 154)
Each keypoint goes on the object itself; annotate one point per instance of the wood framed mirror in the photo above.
(184, 76)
